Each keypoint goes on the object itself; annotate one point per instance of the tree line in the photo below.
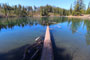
(78, 8)
(19, 10)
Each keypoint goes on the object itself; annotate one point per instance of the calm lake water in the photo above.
(70, 37)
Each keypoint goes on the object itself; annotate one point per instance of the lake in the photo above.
(70, 37)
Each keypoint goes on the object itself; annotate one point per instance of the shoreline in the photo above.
(80, 17)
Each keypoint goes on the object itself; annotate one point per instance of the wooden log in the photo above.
(47, 52)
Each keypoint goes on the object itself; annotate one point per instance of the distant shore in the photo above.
(81, 17)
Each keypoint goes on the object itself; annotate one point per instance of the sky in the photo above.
(58, 3)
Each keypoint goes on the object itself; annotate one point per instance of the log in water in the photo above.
(47, 51)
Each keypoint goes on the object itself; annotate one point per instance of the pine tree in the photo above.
(79, 7)
(71, 9)
(88, 9)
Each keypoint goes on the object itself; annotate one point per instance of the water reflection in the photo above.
(87, 23)
(69, 34)
(73, 24)
(58, 52)
(21, 22)
(76, 25)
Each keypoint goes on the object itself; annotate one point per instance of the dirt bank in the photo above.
(82, 17)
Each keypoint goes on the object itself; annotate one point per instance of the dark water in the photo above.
(70, 37)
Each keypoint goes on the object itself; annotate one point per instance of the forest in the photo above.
(77, 8)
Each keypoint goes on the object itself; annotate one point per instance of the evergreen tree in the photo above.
(15, 9)
(79, 7)
(24, 12)
(71, 9)
(44, 11)
(35, 8)
(5, 9)
(88, 9)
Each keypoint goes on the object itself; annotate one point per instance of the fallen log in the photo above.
(33, 52)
